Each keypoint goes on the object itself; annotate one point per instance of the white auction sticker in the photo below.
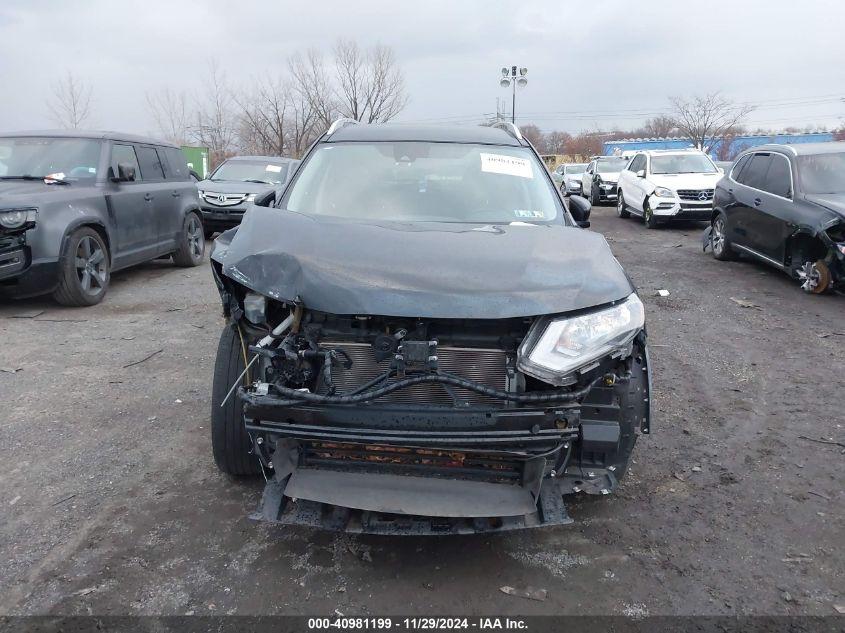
(507, 165)
(274, 168)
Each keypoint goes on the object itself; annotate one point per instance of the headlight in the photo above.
(250, 197)
(663, 192)
(255, 308)
(555, 348)
(201, 192)
(16, 218)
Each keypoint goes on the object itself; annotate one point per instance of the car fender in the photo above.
(88, 220)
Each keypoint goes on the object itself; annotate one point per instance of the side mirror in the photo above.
(265, 199)
(641, 173)
(125, 172)
(580, 209)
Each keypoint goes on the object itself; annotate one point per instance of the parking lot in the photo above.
(112, 503)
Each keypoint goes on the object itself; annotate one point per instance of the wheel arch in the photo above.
(806, 244)
(91, 222)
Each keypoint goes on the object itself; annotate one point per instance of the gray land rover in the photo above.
(75, 206)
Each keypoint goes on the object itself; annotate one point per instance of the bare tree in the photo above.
(370, 86)
(660, 126)
(313, 86)
(556, 141)
(533, 134)
(263, 118)
(171, 113)
(584, 145)
(705, 118)
(70, 105)
(215, 120)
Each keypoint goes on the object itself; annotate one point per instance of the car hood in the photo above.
(32, 193)
(233, 186)
(832, 201)
(685, 181)
(575, 177)
(610, 176)
(433, 270)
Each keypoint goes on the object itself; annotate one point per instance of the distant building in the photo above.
(738, 143)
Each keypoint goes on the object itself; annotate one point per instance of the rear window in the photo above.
(151, 168)
(754, 172)
(778, 178)
(175, 163)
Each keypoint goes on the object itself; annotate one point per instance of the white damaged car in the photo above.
(665, 185)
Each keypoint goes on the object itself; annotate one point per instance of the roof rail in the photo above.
(510, 128)
(339, 123)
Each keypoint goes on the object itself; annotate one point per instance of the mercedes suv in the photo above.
(421, 338)
(663, 186)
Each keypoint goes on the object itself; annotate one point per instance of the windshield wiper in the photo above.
(260, 182)
(31, 177)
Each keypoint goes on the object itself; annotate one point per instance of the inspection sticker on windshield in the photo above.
(274, 168)
(528, 213)
(507, 165)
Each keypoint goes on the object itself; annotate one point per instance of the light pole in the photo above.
(511, 78)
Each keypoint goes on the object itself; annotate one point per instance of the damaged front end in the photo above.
(414, 425)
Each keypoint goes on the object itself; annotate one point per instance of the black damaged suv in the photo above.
(422, 339)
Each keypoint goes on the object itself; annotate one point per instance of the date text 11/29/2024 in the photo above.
(415, 624)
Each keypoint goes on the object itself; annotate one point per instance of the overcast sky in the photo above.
(592, 64)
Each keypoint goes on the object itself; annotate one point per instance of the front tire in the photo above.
(720, 245)
(621, 207)
(191, 242)
(648, 217)
(595, 197)
(84, 269)
(230, 443)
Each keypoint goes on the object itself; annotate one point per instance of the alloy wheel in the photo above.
(195, 237)
(717, 236)
(815, 277)
(91, 266)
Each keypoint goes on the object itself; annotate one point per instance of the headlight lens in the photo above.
(16, 218)
(663, 192)
(250, 197)
(562, 346)
(255, 308)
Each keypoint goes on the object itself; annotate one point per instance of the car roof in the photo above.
(90, 134)
(479, 134)
(275, 159)
(802, 149)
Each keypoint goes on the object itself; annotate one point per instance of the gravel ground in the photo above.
(111, 503)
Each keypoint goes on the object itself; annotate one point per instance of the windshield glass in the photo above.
(68, 159)
(682, 164)
(252, 170)
(822, 173)
(424, 182)
(610, 165)
(575, 169)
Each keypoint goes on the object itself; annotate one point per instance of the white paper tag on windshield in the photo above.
(507, 165)
(274, 168)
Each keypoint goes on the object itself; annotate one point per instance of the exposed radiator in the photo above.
(486, 366)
